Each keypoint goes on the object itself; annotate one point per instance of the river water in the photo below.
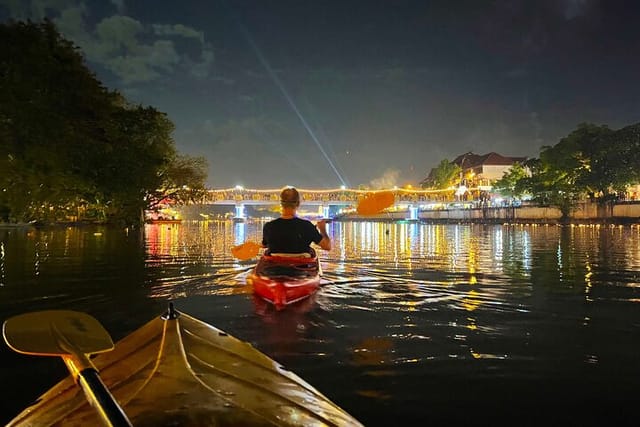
(414, 324)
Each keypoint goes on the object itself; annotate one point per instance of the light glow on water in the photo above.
(502, 309)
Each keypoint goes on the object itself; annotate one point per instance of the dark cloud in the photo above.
(132, 51)
(316, 93)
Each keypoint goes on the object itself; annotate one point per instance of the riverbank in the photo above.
(583, 213)
(10, 225)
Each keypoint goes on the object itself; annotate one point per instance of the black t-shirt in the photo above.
(292, 235)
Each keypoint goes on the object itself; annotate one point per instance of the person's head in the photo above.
(290, 198)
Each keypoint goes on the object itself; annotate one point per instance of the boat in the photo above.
(175, 370)
(284, 279)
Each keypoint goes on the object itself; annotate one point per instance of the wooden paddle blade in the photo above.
(374, 203)
(246, 251)
(56, 333)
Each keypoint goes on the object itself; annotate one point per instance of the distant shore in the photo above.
(583, 213)
(495, 221)
(16, 225)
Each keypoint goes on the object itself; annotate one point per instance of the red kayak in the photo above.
(285, 279)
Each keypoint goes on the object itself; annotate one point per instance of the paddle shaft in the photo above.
(102, 399)
(96, 392)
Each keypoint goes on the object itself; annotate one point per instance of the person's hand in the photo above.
(322, 226)
(325, 243)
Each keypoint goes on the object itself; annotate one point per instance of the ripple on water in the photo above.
(424, 316)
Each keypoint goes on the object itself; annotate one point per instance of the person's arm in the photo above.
(325, 243)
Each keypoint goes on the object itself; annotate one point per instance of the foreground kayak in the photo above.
(284, 280)
(174, 371)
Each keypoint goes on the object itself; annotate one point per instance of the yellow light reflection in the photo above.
(587, 280)
(471, 301)
(373, 351)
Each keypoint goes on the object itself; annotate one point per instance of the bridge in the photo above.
(336, 196)
(240, 197)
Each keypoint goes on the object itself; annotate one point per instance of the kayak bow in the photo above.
(178, 370)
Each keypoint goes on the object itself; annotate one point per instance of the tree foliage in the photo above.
(614, 161)
(511, 183)
(182, 181)
(592, 161)
(443, 176)
(69, 145)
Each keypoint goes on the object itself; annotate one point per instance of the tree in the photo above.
(553, 179)
(510, 185)
(614, 162)
(564, 172)
(138, 149)
(596, 170)
(182, 182)
(69, 145)
(48, 103)
(445, 175)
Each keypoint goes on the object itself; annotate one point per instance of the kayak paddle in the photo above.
(246, 251)
(74, 336)
(375, 202)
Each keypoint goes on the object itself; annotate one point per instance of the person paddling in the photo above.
(290, 234)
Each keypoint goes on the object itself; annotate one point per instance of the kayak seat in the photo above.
(287, 255)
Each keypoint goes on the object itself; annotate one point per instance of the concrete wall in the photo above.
(582, 212)
(538, 213)
(630, 210)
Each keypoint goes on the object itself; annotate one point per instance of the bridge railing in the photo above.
(348, 196)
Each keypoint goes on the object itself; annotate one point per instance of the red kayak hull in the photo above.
(285, 280)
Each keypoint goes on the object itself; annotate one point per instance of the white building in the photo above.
(482, 170)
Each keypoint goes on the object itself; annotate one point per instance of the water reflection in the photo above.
(502, 310)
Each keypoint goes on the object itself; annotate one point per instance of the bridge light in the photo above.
(343, 187)
(239, 187)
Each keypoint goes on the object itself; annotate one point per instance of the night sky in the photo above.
(319, 93)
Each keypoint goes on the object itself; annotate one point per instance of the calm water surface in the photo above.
(415, 323)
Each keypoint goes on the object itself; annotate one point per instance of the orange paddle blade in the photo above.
(374, 203)
(245, 251)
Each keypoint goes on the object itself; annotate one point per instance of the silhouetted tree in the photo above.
(69, 144)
